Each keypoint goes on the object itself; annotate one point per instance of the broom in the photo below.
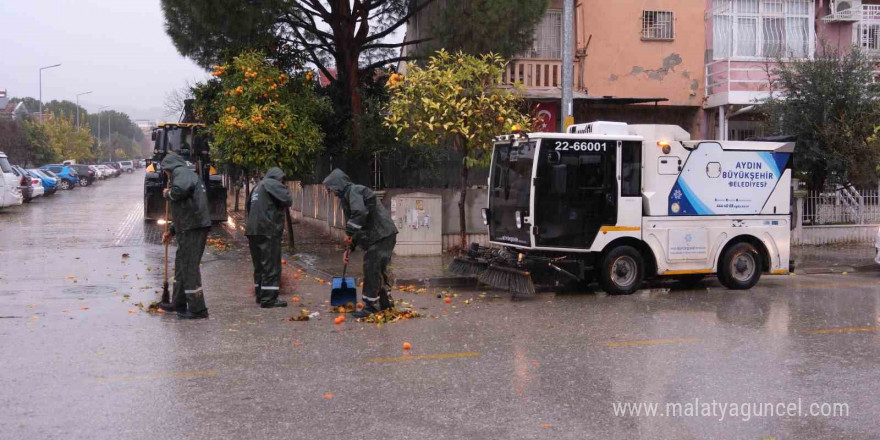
(467, 267)
(165, 303)
(514, 280)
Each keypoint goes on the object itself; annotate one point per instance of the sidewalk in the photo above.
(317, 253)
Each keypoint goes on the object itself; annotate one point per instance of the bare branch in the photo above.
(395, 45)
(398, 23)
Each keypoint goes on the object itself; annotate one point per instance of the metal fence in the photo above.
(843, 206)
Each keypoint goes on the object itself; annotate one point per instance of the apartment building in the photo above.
(700, 64)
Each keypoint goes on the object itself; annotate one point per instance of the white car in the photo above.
(127, 166)
(10, 194)
(106, 171)
(98, 173)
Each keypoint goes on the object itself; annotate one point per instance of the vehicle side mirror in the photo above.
(558, 179)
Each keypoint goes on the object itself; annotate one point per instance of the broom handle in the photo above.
(166, 244)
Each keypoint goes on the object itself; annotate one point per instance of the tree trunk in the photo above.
(462, 222)
(357, 109)
(247, 191)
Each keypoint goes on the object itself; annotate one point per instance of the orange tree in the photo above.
(455, 101)
(263, 117)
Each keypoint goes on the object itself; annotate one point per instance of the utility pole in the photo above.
(77, 105)
(567, 64)
(41, 87)
(99, 125)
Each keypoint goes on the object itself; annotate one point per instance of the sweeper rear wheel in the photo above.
(622, 270)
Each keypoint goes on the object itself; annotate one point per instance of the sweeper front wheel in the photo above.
(622, 270)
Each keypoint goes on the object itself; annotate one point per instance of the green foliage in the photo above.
(829, 103)
(504, 27)
(455, 101)
(264, 117)
(41, 151)
(66, 140)
(14, 142)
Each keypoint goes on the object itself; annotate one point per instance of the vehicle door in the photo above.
(576, 191)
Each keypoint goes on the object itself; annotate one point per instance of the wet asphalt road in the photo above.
(81, 361)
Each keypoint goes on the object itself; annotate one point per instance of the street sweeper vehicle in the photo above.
(620, 203)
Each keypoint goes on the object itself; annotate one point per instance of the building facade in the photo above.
(699, 64)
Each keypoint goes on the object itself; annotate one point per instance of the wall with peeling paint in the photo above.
(619, 63)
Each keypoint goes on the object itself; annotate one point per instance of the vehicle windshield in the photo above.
(4, 165)
(510, 177)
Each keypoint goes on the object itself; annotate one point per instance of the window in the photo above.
(658, 25)
(762, 28)
(631, 169)
(548, 37)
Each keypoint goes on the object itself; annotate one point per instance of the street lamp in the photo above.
(41, 87)
(77, 105)
(99, 124)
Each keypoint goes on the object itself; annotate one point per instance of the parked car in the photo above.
(85, 174)
(127, 166)
(106, 171)
(98, 174)
(67, 175)
(115, 166)
(10, 194)
(50, 184)
(29, 185)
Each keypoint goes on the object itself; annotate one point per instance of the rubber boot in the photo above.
(370, 307)
(167, 307)
(274, 303)
(385, 300)
(196, 308)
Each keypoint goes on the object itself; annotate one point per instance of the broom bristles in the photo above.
(514, 280)
(466, 267)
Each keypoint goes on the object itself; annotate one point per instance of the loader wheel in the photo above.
(622, 271)
(740, 267)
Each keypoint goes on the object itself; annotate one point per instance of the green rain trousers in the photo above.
(266, 255)
(188, 294)
(376, 280)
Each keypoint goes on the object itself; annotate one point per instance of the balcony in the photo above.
(863, 13)
(534, 73)
(735, 82)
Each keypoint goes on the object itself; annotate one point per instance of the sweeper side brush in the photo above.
(467, 267)
(514, 280)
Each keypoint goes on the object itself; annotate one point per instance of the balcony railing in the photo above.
(534, 72)
(735, 82)
(865, 13)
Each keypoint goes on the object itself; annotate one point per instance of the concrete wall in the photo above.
(620, 63)
(315, 205)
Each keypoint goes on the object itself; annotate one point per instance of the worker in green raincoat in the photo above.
(369, 226)
(191, 224)
(265, 225)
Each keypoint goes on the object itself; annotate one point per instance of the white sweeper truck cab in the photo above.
(621, 203)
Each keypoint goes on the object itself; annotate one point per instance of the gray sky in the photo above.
(116, 48)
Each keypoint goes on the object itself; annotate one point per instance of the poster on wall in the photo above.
(715, 181)
(547, 113)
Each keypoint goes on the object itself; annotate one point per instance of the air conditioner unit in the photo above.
(846, 6)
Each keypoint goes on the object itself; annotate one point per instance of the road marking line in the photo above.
(831, 331)
(180, 375)
(649, 342)
(826, 285)
(424, 357)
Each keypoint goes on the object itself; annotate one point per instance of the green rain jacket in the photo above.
(267, 204)
(189, 200)
(367, 220)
